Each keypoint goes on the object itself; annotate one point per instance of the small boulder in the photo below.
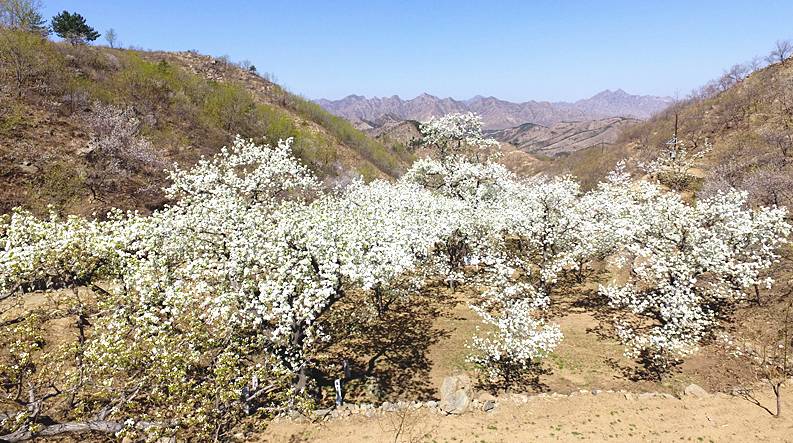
(489, 405)
(455, 394)
(457, 403)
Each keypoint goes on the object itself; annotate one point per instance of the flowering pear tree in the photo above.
(201, 302)
(518, 234)
(517, 342)
(673, 165)
(463, 169)
(455, 135)
(688, 264)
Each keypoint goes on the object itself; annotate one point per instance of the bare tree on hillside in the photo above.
(782, 140)
(737, 73)
(116, 149)
(773, 355)
(111, 37)
(782, 51)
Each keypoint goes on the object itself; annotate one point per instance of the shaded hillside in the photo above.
(563, 137)
(500, 114)
(58, 105)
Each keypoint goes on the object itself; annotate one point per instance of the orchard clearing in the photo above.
(258, 292)
(585, 361)
(605, 417)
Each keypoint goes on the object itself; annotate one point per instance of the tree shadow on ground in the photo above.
(578, 293)
(522, 381)
(645, 369)
(386, 353)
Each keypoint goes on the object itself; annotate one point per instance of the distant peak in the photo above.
(609, 93)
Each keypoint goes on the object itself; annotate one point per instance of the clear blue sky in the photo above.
(514, 50)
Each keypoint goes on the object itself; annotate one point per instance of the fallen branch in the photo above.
(108, 427)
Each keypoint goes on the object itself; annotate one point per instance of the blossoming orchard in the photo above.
(212, 308)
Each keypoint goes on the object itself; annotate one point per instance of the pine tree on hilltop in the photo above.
(72, 27)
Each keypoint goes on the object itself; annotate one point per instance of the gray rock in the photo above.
(489, 405)
(696, 391)
(28, 168)
(455, 394)
(455, 383)
(457, 403)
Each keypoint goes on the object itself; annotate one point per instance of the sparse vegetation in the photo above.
(183, 114)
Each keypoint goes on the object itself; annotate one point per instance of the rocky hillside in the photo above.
(86, 128)
(500, 114)
(564, 137)
(748, 125)
(392, 131)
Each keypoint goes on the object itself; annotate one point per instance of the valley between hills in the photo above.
(190, 251)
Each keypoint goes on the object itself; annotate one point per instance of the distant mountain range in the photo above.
(500, 114)
(563, 137)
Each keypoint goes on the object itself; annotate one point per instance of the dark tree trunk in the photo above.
(778, 394)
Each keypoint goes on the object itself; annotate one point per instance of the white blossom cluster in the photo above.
(674, 164)
(39, 254)
(234, 278)
(455, 135)
(687, 264)
(519, 340)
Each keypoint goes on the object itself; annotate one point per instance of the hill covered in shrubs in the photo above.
(85, 128)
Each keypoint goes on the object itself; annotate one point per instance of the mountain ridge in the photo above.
(563, 137)
(500, 114)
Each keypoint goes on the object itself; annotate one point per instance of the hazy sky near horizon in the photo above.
(514, 50)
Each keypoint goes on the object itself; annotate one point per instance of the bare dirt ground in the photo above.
(588, 358)
(605, 417)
